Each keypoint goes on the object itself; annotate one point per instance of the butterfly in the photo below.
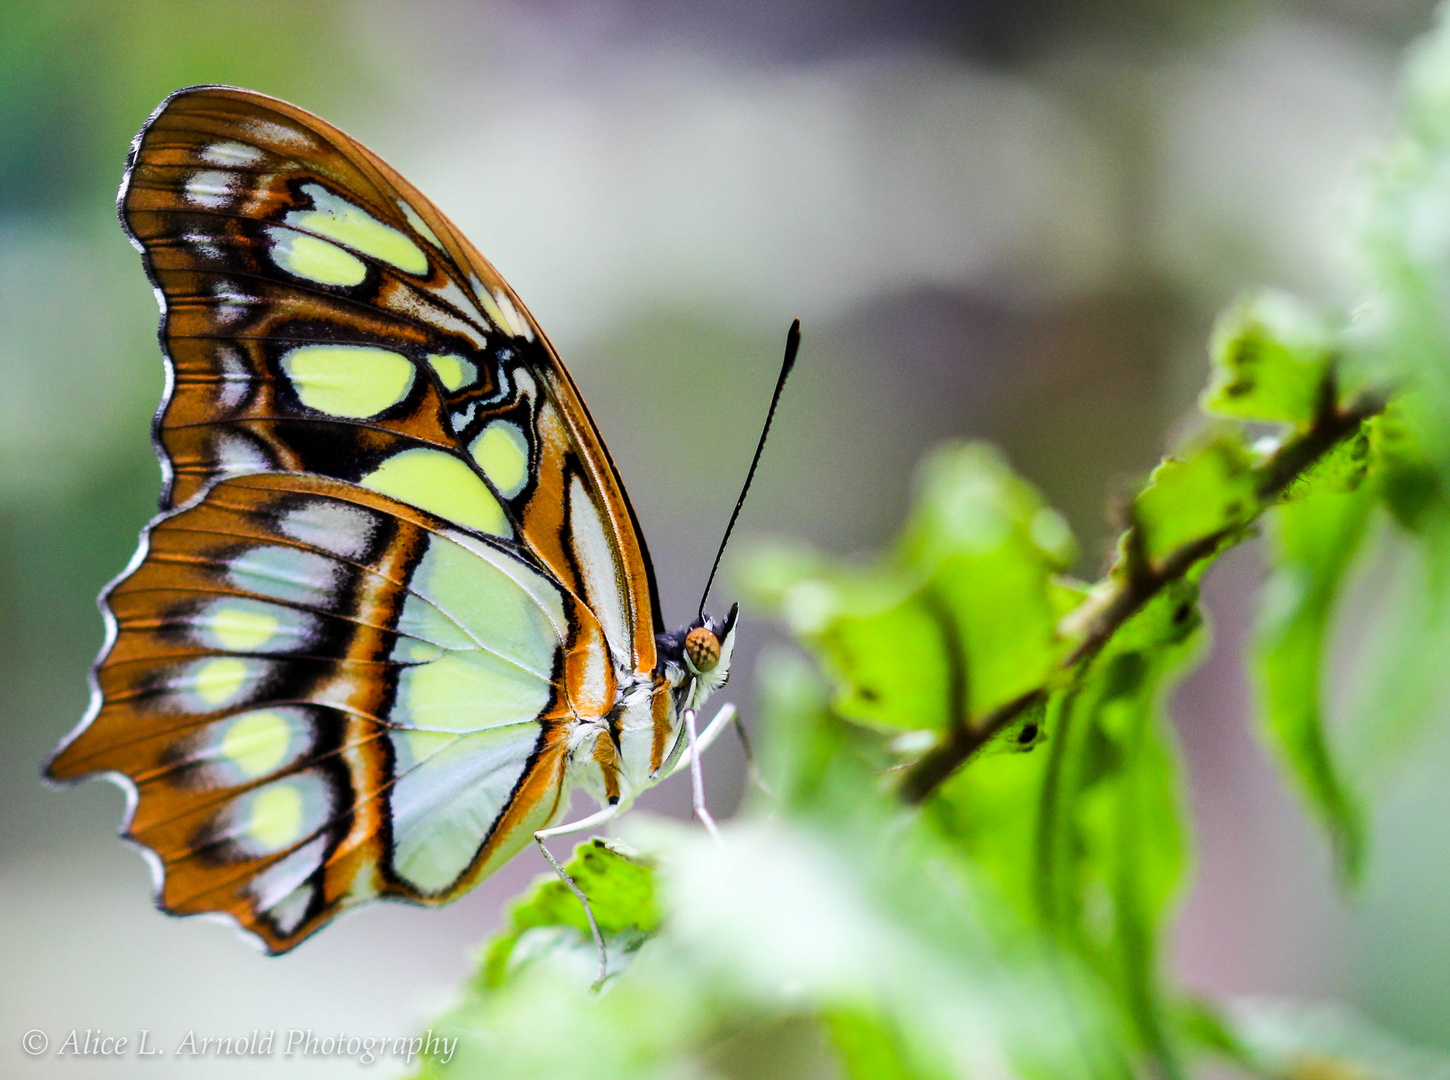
(396, 605)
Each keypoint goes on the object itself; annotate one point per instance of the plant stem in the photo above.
(959, 744)
(1121, 596)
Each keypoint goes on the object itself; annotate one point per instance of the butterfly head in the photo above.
(699, 653)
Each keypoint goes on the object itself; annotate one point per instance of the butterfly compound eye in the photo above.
(703, 648)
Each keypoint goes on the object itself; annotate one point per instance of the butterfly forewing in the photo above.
(395, 563)
(322, 316)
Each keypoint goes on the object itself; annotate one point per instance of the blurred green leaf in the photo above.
(1270, 357)
(889, 647)
(1313, 542)
(1207, 492)
(871, 1048)
(1413, 490)
(549, 918)
(964, 618)
(1110, 844)
(989, 548)
(545, 1023)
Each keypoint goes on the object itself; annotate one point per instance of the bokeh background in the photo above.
(1006, 219)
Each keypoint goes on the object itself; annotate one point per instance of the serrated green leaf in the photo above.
(1271, 358)
(1313, 541)
(1207, 491)
(1343, 468)
(549, 918)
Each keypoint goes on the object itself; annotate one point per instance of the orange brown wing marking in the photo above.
(661, 709)
(606, 756)
(140, 732)
(150, 727)
(544, 516)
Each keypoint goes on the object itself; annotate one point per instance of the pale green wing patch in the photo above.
(450, 791)
(355, 381)
(481, 637)
(443, 485)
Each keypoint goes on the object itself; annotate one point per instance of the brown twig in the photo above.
(959, 744)
(1139, 581)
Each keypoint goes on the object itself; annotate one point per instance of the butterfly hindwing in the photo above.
(323, 695)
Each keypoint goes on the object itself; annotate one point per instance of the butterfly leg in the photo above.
(582, 825)
(707, 737)
(697, 776)
(728, 716)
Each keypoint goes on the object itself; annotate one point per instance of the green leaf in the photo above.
(1207, 493)
(872, 1048)
(991, 810)
(1271, 357)
(1413, 489)
(1313, 541)
(549, 918)
(1344, 468)
(871, 629)
(961, 621)
(1110, 844)
(970, 502)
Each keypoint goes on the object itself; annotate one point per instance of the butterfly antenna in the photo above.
(792, 346)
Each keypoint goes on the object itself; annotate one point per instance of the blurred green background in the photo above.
(995, 219)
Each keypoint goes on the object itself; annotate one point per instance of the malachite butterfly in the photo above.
(396, 605)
